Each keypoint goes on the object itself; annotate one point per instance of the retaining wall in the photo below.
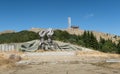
(9, 47)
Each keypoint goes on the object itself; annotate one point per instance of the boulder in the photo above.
(14, 57)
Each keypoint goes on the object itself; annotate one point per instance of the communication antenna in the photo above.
(69, 22)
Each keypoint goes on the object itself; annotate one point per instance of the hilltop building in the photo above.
(70, 26)
(75, 27)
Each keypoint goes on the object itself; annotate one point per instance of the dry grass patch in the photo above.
(6, 62)
(97, 54)
(108, 65)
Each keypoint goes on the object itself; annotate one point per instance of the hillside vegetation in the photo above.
(87, 39)
(17, 37)
(97, 34)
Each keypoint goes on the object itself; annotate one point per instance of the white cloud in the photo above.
(89, 15)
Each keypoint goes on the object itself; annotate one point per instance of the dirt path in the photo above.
(80, 68)
(83, 63)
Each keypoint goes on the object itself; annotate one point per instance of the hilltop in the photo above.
(7, 31)
(105, 36)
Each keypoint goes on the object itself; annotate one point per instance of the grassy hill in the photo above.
(90, 39)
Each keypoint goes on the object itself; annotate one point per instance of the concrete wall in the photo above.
(8, 47)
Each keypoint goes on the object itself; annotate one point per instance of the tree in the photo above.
(101, 43)
(93, 41)
(85, 38)
(61, 35)
(109, 46)
(118, 47)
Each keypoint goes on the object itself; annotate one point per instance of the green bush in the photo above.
(22, 36)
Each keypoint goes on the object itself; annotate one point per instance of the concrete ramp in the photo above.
(30, 46)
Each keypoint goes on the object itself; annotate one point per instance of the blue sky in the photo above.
(97, 15)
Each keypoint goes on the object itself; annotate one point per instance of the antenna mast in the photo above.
(69, 22)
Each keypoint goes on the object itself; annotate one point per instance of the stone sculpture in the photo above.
(49, 32)
(46, 43)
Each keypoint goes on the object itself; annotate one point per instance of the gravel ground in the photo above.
(64, 63)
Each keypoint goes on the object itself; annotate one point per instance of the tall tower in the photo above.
(69, 22)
